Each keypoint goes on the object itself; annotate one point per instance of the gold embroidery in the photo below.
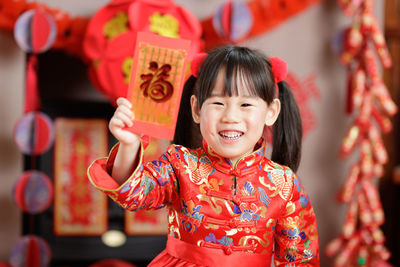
(250, 240)
(231, 232)
(263, 211)
(173, 230)
(173, 215)
(212, 201)
(213, 185)
(271, 223)
(211, 226)
(290, 208)
(282, 186)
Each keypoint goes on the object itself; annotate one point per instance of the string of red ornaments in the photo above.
(34, 32)
(361, 48)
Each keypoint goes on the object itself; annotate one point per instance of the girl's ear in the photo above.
(195, 109)
(273, 110)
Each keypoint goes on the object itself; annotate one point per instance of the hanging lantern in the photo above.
(110, 38)
(30, 250)
(34, 133)
(33, 192)
(35, 31)
(107, 44)
(233, 21)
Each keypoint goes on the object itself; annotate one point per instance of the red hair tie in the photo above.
(279, 69)
(197, 61)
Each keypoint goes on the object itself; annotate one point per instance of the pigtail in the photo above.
(187, 133)
(288, 130)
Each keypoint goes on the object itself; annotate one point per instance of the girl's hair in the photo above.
(253, 71)
(187, 132)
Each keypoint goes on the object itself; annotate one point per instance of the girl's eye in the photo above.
(246, 105)
(218, 103)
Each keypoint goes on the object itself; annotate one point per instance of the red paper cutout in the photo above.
(304, 91)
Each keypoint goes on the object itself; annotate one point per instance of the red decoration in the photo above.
(30, 251)
(361, 240)
(33, 192)
(78, 208)
(155, 97)
(233, 21)
(196, 63)
(109, 54)
(35, 31)
(304, 91)
(279, 69)
(32, 98)
(109, 45)
(71, 30)
(266, 15)
(34, 133)
(111, 38)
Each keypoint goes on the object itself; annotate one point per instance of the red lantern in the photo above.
(108, 44)
(33, 192)
(35, 31)
(110, 38)
(30, 250)
(34, 133)
(233, 21)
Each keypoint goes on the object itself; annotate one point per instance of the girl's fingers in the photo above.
(126, 119)
(125, 110)
(115, 122)
(121, 101)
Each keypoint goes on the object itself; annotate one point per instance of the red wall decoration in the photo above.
(79, 209)
(361, 48)
(71, 30)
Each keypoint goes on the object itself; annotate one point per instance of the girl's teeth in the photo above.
(231, 136)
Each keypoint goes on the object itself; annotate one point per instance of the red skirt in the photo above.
(182, 254)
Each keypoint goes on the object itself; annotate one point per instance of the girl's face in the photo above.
(232, 125)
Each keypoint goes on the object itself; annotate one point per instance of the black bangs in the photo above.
(245, 70)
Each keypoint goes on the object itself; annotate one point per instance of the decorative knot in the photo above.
(228, 250)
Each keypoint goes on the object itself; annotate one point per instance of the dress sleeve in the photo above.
(296, 236)
(151, 185)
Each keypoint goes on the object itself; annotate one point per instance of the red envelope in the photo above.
(156, 83)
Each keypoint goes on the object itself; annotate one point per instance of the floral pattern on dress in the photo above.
(249, 207)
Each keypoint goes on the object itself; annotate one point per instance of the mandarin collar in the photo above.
(244, 164)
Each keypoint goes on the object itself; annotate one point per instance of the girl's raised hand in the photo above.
(123, 117)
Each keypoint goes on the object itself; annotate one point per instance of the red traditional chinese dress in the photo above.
(219, 214)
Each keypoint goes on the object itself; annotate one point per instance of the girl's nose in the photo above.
(231, 115)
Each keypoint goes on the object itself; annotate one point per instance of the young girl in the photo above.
(229, 205)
